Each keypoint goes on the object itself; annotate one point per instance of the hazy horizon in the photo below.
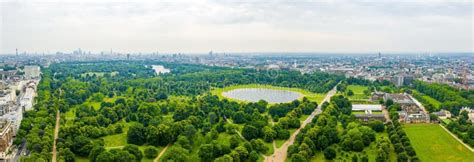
(237, 27)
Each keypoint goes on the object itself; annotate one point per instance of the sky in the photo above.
(199, 26)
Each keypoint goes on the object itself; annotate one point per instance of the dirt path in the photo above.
(161, 153)
(279, 155)
(56, 132)
(456, 137)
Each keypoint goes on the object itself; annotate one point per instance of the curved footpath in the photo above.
(56, 132)
(280, 154)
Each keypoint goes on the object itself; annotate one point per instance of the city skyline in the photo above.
(236, 27)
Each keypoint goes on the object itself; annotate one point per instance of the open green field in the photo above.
(117, 140)
(432, 101)
(432, 143)
(358, 92)
(316, 97)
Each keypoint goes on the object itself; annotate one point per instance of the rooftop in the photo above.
(375, 107)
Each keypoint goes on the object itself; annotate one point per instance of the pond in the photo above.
(256, 94)
(160, 69)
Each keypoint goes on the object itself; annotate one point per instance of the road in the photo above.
(161, 153)
(56, 132)
(280, 154)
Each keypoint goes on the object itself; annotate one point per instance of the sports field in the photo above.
(433, 143)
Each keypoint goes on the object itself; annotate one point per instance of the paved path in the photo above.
(161, 153)
(279, 154)
(456, 137)
(418, 103)
(56, 132)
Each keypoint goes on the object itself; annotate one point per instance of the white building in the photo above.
(32, 72)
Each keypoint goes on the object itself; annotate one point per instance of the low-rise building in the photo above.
(443, 114)
(6, 135)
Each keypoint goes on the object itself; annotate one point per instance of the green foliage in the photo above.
(150, 152)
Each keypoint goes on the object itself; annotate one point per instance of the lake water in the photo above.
(160, 69)
(256, 94)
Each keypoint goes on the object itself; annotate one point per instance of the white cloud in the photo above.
(236, 26)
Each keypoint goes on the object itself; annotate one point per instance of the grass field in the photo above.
(358, 92)
(317, 97)
(117, 140)
(432, 143)
(433, 101)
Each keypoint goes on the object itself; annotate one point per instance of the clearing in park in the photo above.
(433, 143)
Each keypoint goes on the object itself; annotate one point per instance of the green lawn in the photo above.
(269, 145)
(117, 140)
(357, 89)
(432, 143)
(358, 92)
(433, 101)
(316, 97)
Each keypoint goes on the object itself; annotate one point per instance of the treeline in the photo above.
(398, 137)
(451, 99)
(37, 126)
(325, 134)
(463, 128)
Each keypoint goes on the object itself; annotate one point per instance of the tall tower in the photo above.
(380, 55)
(16, 52)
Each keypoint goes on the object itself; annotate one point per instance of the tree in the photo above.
(177, 154)
(95, 152)
(213, 118)
(329, 153)
(151, 152)
(259, 145)
(136, 134)
(377, 125)
(184, 142)
(350, 93)
(358, 145)
(206, 152)
(67, 155)
(105, 156)
(269, 134)
(298, 158)
(402, 157)
(225, 158)
(253, 156)
(250, 132)
(135, 151)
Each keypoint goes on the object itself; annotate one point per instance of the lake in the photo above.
(256, 94)
(160, 69)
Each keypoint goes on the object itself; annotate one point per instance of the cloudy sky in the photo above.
(236, 26)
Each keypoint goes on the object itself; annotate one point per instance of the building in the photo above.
(368, 117)
(27, 100)
(470, 113)
(6, 139)
(443, 114)
(32, 72)
(369, 112)
(411, 112)
(366, 108)
(376, 96)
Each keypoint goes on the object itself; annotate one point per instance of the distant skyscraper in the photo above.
(17, 52)
(380, 55)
